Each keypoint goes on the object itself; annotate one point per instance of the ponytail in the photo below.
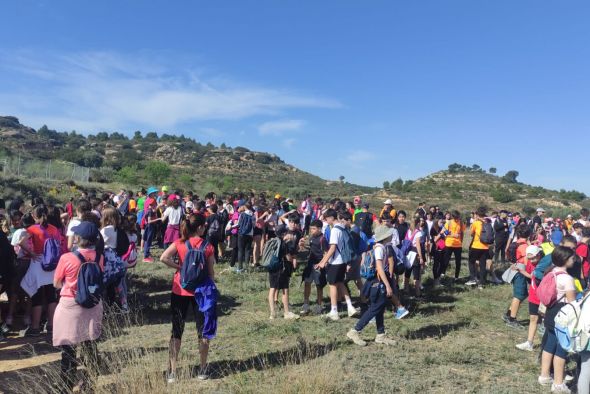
(190, 227)
(40, 213)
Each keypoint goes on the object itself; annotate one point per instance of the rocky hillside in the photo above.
(466, 189)
(175, 160)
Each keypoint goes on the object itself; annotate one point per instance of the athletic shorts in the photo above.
(318, 277)
(279, 279)
(257, 231)
(533, 309)
(179, 308)
(492, 254)
(354, 272)
(519, 287)
(335, 273)
(551, 345)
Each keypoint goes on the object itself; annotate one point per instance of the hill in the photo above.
(177, 161)
(465, 188)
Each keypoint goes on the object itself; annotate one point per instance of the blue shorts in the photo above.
(551, 345)
(519, 287)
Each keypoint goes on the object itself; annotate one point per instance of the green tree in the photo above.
(476, 167)
(151, 136)
(128, 175)
(511, 176)
(223, 146)
(386, 185)
(341, 178)
(397, 185)
(455, 167)
(157, 171)
(137, 136)
(493, 170)
(502, 195)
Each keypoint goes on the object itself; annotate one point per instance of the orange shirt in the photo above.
(454, 227)
(132, 205)
(476, 228)
(181, 248)
(38, 236)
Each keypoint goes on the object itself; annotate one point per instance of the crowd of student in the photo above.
(45, 248)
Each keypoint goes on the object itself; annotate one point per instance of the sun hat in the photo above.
(151, 190)
(533, 250)
(164, 188)
(388, 202)
(86, 230)
(382, 232)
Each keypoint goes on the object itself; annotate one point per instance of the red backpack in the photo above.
(547, 289)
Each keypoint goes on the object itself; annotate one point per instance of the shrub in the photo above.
(502, 195)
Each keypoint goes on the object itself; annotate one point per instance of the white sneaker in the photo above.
(526, 346)
(383, 340)
(470, 283)
(171, 378)
(291, 316)
(560, 388)
(545, 381)
(317, 309)
(333, 316)
(568, 378)
(305, 309)
(352, 312)
(354, 336)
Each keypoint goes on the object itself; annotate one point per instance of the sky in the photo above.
(371, 90)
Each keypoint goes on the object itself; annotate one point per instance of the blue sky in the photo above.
(371, 90)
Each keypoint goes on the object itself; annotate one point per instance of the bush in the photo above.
(502, 196)
(157, 171)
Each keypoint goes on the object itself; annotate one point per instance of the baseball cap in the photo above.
(86, 230)
(533, 250)
(173, 197)
(388, 202)
(540, 210)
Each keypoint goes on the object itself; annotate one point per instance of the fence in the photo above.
(39, 169)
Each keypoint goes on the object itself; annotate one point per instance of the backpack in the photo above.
(364, 221)
(346, 253)
(130, 257)
(124, 208)
(51, 251)
(357, 248)
(270, 255)
(399, 260)
(511, 254)
(246, 225)
(369, 263)
(487, 235)
(214, 228)
(569, 327)
(90, 282)
(194, 268)
(223, 217)
(114, 268)
(547, 289)
(122, 242)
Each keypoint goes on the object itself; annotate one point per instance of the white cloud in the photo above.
(360, 156)
(106, 91)
(278, 127)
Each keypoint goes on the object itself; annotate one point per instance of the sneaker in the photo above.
(354, 336)
(272, 316)
(291, 316)
(317, 309)
(512, 323)
(470, 283)
(401, 313)
(497, 281)
(526, 346)
(4, 329)
(333, 316)
(506, 317)
(203, 374)
(560, 388)
(383, 340)
(32, 332)
(545, 381)
(305, 310)
(568, 378)
(479, 287)
(171, 378)
(352, 312)
(148, 260)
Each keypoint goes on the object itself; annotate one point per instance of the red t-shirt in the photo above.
(38, 236)
(521, 251)
(533, 299)
(582, 251)
(181, 248)
(67, 270)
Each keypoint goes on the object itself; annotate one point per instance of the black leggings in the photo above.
(69, 362)
(46, 293)
(447, 261)
(439, 262)
(481, 256)
(179, 305)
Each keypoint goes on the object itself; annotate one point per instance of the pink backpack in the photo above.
(547, 290)
(130, 257)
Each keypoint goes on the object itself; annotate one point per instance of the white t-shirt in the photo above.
(417, 237)
(337, 238)
(380, 253)
(564, 283)
(109, 234)
(173, 214)
(73, 223)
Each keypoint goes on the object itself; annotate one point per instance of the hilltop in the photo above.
(177, 161)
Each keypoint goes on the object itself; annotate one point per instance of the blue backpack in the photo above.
(347, 251)
(194, 268)
(369, 264)
(399, 260)
(89, 282)
(51, 252)
(114, 268)
(245, 224)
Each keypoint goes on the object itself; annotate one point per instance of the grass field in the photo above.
(455, 342)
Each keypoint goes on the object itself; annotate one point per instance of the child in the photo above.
(376, 290)
(279, 280)
(317, 247)
(532, 258)
(519, 285)
(7, 258)
(150, 220)
(130, 258)
(582, 251)
(23, 259)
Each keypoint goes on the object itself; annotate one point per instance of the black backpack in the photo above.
(487, 235)
(122, 242)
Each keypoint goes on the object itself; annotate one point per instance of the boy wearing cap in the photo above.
(532, 258)
(388, 213)
(518, 280)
